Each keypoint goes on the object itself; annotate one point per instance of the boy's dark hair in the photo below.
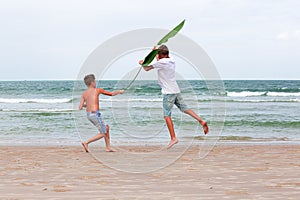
(163, 51)
(88, 79)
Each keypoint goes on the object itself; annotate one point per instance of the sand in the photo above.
(227, 172)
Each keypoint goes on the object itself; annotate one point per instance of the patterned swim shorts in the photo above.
(96, 119)
(169, 100)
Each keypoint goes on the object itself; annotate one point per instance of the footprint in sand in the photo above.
(60, 188)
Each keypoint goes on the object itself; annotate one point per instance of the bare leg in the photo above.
(201, 121)
(107, 140)
(170, 126)
(85, 146)
(93, 139)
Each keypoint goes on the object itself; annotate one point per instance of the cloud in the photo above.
(289, 35)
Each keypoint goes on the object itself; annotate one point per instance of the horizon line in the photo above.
(246, 79)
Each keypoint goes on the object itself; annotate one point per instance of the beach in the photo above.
(229, 171)
(99, 100)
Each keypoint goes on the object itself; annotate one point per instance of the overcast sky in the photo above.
(246, 39)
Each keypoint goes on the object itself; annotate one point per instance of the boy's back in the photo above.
(166, 75)
(91, 98)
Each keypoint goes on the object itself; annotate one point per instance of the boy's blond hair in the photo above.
(88, 79)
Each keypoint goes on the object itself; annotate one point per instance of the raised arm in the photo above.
(146, 68)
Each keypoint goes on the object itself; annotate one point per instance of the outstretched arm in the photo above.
(114, 93)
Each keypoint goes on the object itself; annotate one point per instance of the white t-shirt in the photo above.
(166, 76)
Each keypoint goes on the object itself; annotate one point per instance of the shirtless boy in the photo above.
(90, 100)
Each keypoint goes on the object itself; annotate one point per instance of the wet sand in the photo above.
(227, 172)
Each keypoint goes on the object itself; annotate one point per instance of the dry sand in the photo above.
(228, 172)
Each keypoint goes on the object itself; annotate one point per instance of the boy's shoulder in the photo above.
(166, 60)
(84, 93)
(89, 92)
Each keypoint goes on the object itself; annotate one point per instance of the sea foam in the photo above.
(267, 93)
(23, 100)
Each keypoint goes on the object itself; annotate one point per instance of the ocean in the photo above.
(46, 112)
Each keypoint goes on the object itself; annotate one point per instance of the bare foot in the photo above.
(172, 143)
(85, 146)
(205, 127)
(110, 150)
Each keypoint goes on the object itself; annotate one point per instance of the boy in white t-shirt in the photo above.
(171, 93)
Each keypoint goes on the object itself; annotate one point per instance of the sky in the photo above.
(246, 39)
